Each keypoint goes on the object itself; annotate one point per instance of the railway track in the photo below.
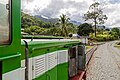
(89, 54)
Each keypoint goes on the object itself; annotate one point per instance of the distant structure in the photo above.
(84, 39)
(76, 36)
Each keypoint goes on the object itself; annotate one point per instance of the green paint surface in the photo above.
(52, 74)
(10, 64)
(44, 48)
(49, 75)
(59, 72)
(42, 77)
(63, 71)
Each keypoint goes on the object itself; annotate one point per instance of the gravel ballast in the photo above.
(104, 64)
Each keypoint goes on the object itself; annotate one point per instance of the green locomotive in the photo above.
(35, 60)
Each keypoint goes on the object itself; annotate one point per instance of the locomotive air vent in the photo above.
(62, 56)
(39, 65)
(52, 60)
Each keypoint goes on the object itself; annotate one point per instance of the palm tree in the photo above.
(64, 22)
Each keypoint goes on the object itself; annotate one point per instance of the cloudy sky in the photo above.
(72, 8)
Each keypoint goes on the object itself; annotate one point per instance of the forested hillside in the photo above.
(28, 21)
(33, 25)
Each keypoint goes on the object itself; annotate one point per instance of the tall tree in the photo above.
(64, 21)
(96, 14)
(84, 29)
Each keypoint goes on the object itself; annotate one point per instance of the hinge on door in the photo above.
(56, 57)
(32, 67)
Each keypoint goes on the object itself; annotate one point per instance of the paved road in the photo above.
(105, 63)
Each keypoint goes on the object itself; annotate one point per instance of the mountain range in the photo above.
(54, 20)
(46, 19)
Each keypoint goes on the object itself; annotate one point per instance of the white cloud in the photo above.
(73, 8)
(67, 11)
(112, 11)
(30, 6)
(73, 0)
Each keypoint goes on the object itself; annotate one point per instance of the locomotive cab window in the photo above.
(5, 22)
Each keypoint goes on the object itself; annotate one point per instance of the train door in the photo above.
(81, 57)
(73, 60)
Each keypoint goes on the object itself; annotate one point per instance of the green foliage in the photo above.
(100, 31)
(116, 30)
(34, 30)
(34, 26)
(106, 36)
(71, 28)
(63, 22)
(27, 21)
(55, 31)
(101, 37)
(85, 29)
(107, 29)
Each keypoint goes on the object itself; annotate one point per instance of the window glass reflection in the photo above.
(4, 22)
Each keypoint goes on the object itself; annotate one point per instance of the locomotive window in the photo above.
(80, 50)
(72, 53)
(4, 22)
